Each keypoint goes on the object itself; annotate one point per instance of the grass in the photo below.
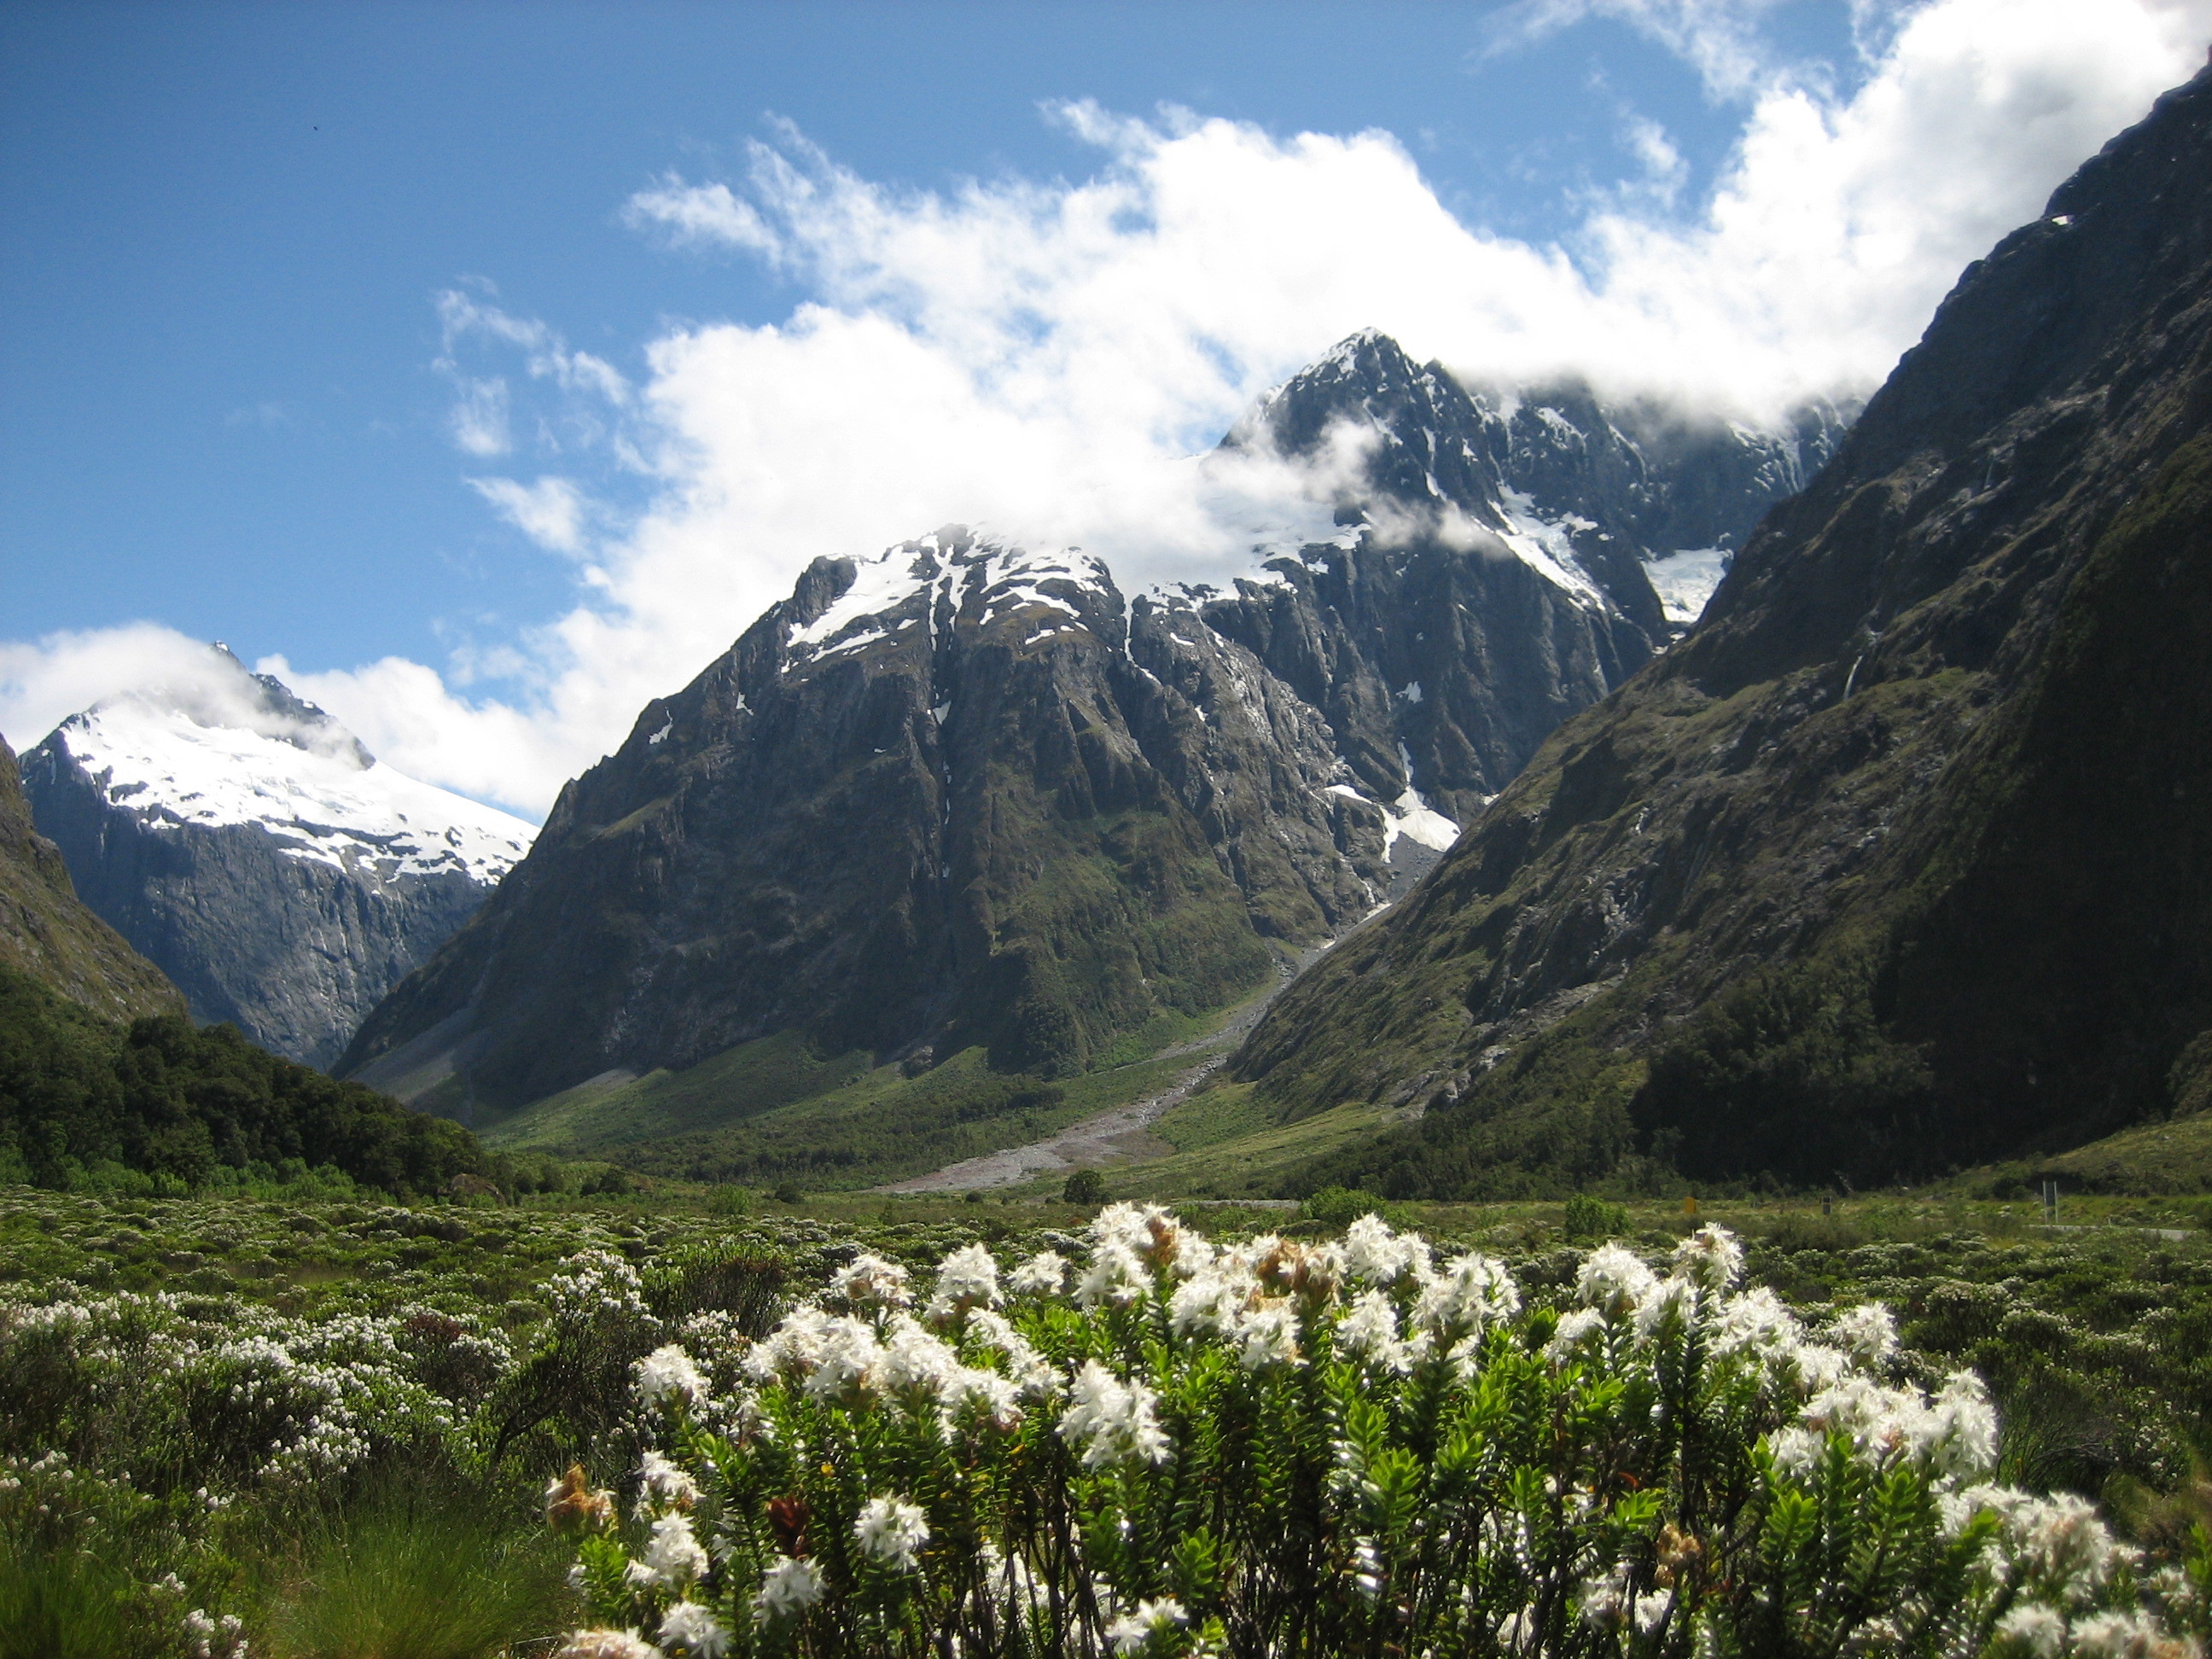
(740, 1083)
(2170, 1159)
(1234, 1148)
(61, 1602)
(410, 1572)
(772, 1110)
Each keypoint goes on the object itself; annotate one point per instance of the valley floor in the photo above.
(1121, 1134)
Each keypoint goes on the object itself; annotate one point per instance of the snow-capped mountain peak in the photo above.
(249, 844)
(231, 747)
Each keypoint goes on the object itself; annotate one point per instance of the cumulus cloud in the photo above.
(1045, 358)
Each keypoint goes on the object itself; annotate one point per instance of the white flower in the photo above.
(1650, 1609)
(915, 1364)
(1150, 1232)
(1042, 1274)
(967, 1278)
(1116, 1275)
(1818, 1366)
(1031, 1372)
(671, 1556)
(1797, 1452)
(871, 1280)
(2122, 1635)
(1370, 1333)
(1268, 1336)
(1575, 1329)
(849, 1361)
(1111, 1420)
(1209, 1303)
(1868, 1333)
(607, 1644)
(787, 1587)
(1613, 1279)
(1756, 1321)
(666, 1373)
(891, 1532)
(695, 1629)
(1711, 1256)
(2056, 1541)
(2032, 1630)
(1131, 1633)
(1962, 1437)
(996, 1398)
(1606, 1603)
(1469, 1294)
(665, 1482)
(794, 1347)
(1667, 1298)
(1376, 1255)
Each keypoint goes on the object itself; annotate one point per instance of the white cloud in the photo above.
(1043, 356)
(1720, 39)
(695, 215)
(550, 511)
(479, 418)
(44, 681)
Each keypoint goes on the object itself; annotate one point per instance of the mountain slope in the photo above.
(1899, 859)
(247, 843)
(47, 934)
(965, 794)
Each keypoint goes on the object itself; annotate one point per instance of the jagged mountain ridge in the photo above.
(965, 793)
(46, 932)
(1899, 860)
(245, 842)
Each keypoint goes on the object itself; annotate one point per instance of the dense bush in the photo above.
(83, 1101)
(1176, 1449)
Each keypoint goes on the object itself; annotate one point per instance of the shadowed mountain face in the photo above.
(1902, 858)
(47, 933)
(247, 843)
(963, 792)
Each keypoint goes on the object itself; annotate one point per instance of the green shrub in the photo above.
(1084, 1187)
(731, 1203)
(1340, 1206)
(1589, 1217)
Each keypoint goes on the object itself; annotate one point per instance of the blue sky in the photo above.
(258, 260)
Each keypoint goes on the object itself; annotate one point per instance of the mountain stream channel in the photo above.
(1119, 1135)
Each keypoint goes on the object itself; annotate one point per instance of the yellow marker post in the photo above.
(1689, 1207)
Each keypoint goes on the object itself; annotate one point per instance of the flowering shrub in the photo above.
(1178, 1448)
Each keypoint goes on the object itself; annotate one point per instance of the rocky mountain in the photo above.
(963, 792)
(1901, 860)
(47, 933)
(245, 842)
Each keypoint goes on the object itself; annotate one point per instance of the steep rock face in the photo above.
(48, 934)
(964, 792)
(247, 843)
(1899, 859)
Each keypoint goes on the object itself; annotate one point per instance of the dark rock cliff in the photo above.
(1899, 859)
(967, 793)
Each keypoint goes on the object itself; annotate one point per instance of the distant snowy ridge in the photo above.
(321, 804)
(247, 843)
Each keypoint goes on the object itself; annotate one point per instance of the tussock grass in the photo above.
(414, 1570)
